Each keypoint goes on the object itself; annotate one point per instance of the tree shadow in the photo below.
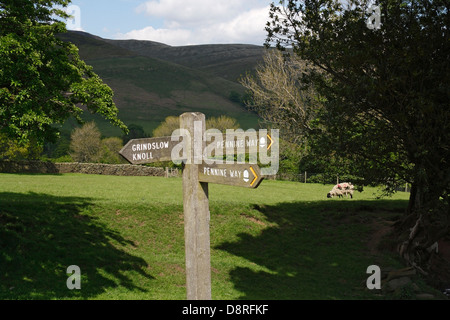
(42, 235)
(310, 250)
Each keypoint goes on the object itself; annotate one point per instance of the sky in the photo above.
(173, 22)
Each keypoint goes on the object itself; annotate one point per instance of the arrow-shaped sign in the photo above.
(240, 175)
(148, 150)
(245, 143)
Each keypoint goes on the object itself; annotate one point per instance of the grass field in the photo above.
(283, 240)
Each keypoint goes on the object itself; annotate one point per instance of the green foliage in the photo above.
(110, 151)
(87, 146)
(385, 100)
(167, 127)
(135, 131)
(222, 123)
(59, 148)
(66, 158)
(291, 155)
(43, 81)
(385, 92)
(12, 149)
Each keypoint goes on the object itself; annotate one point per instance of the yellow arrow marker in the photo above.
(255, 175)
(271, 141)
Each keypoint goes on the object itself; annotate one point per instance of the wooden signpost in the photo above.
(239, 175)
(141, 151)
(149, 150)
(240, 142)
(196, 176)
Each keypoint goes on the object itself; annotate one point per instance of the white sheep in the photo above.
(341, 189)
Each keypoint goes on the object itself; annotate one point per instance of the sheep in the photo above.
(348, 192)
(334, 193)
(341, 189)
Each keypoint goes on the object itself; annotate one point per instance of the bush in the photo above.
(66, 158)
(110, 151)
(85, 145)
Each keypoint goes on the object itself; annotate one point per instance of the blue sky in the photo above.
(174, 22)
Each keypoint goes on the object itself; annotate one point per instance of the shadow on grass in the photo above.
(42, 235)
(310, 250)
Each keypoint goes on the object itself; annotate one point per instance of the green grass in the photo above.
(283, 240)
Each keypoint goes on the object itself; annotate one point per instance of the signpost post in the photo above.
(196, 176)
(196, 213)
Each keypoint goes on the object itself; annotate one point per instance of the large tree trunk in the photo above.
(425, 224)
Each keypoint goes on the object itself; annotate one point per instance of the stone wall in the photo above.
(7, 166)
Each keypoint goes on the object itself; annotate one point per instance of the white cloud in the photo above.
(167, 36)
(191, 12)
(248, 27)
(204, 22)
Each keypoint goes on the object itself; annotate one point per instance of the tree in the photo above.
(222, 123)
(60, 148)
(110, 150)
(43, 81)
(169, 125)
(277, 95)
(11, 149)
(172, 123)
(85, 145)
(385, 96)
(135, 131)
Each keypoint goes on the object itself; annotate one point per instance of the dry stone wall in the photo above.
(7, 166)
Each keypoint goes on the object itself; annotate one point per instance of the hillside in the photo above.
(152, 81)
(227, 61)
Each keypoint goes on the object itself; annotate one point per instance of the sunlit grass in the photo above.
(283, 240)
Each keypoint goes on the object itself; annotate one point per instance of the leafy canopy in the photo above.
(386, 91)
(43, 81)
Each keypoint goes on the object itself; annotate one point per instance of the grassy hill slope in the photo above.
(227, 61)
(148, 89)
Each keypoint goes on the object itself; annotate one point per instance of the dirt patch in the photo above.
(381, 236)
(440, 266)
(383, 239)
(444, 249)
(253, 219)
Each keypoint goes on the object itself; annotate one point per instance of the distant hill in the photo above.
(152, 80)
(227, 61)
